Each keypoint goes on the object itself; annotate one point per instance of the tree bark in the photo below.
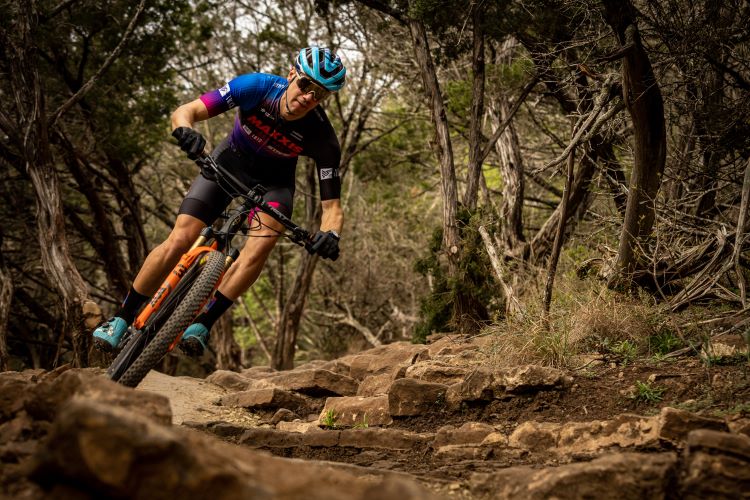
(442, 145)
(55, 254)
(477, 108)
(740, 235)
(6, 297)
(558, 238)
(646, 107)
(228, 352)
(287, 327)
(511, 169)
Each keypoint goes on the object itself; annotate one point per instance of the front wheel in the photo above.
(178, 321)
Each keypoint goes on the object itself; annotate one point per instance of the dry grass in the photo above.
(582, 320)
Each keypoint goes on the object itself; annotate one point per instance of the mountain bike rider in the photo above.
(278, 120)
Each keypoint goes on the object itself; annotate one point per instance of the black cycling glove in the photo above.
(325, 244)
(190, 141)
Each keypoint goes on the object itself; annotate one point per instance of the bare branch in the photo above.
(512, 305)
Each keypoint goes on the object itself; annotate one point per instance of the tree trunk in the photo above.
(477, 108)
(293, 304)
(511, 170)
(6, 297)
(558, 239)
(508, 149)
(228, 352)
(442, 145)
(55, 255)
(646, 107)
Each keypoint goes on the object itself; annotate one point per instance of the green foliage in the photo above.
(663, 343)
(329, 419)
(624, 350)
(463, 302)
(130, 102)
(435, 307)
(647, 393)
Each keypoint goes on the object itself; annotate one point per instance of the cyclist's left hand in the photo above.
(190, 141)
(325, 244)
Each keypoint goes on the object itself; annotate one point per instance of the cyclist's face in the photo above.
(296, 103)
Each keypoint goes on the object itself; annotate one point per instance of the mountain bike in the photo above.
(160, 325)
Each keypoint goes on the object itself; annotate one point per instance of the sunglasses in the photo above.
(309, 86)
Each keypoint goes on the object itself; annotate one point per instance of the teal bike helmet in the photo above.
(322, 66)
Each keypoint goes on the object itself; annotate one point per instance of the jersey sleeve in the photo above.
(327, 163)
(245, 91)
(327, 155)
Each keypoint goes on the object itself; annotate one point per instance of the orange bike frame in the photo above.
(171, 282)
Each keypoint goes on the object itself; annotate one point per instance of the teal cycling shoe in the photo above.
(194, 340)
(107, 336)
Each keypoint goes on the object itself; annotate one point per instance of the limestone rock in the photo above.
(477, 385)
(14, 391)
(163, 463)
(296, 426)
(468, 433)
(448, 345)
(460, 452)
(48, 396)
(385, 359)
(315, 382)
(533, 378)
(264, 399)
(387, 439)
(409, 397)
(674, 424)
(375, 385)
(283, 415)
(438, 373)
(619, 476)
(586, 437)
(355, 410)
(256, 372)
(717, 465)
(229, 380)
(484, 384)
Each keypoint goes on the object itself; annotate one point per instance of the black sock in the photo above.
(131, 305)
(213, 310)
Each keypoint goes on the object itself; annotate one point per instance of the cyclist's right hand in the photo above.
(325, 244)
(190, 141)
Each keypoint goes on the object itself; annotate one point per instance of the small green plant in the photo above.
(660, 358)
(329, 419)
(663, 343)
(363, 424)
(625, 350)
(647, 393)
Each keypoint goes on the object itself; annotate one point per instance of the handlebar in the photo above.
(254, 195)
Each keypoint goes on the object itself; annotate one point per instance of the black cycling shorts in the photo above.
(207, 199)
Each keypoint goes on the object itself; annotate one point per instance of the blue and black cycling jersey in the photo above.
(270, 143)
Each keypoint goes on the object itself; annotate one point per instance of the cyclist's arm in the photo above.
(187, 114)
(333, 216)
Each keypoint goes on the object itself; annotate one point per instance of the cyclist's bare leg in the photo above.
(164, 257)
(246, 270)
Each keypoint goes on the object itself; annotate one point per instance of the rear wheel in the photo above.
(183, 315)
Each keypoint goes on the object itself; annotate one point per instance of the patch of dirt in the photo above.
(195, 400)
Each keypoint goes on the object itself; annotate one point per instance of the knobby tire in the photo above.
(137, 341)
(178, 322)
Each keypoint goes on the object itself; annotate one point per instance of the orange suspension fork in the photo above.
(172, 280)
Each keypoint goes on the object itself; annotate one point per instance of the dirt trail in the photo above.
(194, 400)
